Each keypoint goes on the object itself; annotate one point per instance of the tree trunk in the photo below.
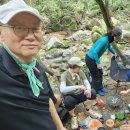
(105, 13)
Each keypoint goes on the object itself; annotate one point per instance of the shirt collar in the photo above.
(10, 65)
(74, 75)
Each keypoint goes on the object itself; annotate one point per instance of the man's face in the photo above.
(117, 38)
(76, 69)
(23, 46)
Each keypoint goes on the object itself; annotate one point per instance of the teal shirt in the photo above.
(99, 48)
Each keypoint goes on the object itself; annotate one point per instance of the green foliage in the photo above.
(57, 9)
(120, 4)
(122, 46)
(3, 1)
(77, 10)
(80, 54)
(1, 45)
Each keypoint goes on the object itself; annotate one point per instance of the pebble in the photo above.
(113, 117)
(126, 111)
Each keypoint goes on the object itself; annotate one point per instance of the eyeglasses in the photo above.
(23, 31)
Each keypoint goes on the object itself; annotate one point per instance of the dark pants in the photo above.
(96, 74)
(72, 100)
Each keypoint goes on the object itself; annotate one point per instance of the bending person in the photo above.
(93, 58)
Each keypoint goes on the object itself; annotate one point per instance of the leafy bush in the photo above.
(78, 10)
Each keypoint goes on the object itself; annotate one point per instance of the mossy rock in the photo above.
(54, 51)
(99, 30)
(80, 54)
(67, 43)
(86, 41)
(122, 47)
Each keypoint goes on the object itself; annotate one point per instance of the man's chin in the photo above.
(30, 55)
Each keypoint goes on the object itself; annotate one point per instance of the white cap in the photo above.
(76, 61)
(14, 7)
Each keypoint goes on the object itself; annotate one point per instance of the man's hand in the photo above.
(127, 66)
(87, 93)
(82, 87)
(99, 66)
(115, 55)
(126, 127)
(62, 128)
(124, 93)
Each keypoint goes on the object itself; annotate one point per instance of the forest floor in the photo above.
(105, 110)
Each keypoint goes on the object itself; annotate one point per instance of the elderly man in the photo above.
(24, 93)
(76, 89)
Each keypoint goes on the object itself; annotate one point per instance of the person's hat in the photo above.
(117, 31)
(76, 61)
(14, 7)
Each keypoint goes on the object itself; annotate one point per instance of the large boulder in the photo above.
(125, 26)
(79, 35)
(126, 35)
(54, 42)
(54, 53)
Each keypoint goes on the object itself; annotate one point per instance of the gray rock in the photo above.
(125, 34)
(55, 65)
(48, 56)
(54, 42)
(79, 35)
(65, 59)
(54, 60)
(126, 111)
(125, 26)
(67, 52)
(63, 66)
